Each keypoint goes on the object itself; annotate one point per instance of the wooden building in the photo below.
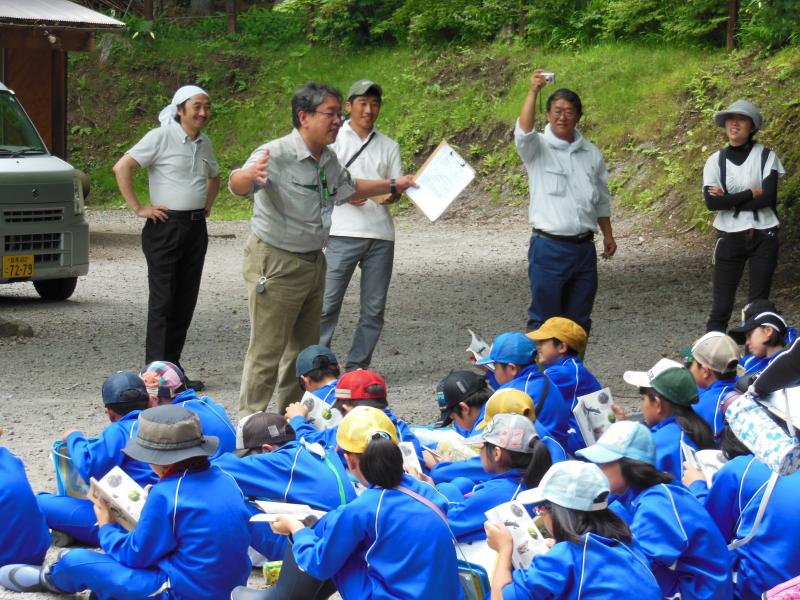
(35, 36)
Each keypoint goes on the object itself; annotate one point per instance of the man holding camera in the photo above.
(570, 200)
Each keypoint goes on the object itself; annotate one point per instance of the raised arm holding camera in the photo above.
(569, 201)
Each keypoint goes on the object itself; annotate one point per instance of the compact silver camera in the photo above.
(549, 77)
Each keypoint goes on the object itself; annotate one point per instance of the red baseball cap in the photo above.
(360, 385)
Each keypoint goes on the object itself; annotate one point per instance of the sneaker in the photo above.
(196, 384)
(22, 578)
(244, 593)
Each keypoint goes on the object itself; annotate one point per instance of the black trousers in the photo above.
(175, 250)
(294, 584)
(759, 248)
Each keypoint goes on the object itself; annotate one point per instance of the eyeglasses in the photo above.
(333, 116)
(568, 114)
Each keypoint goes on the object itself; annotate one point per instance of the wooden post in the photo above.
(522, 14)
(729, 38)
(230, 7)
(148, 10)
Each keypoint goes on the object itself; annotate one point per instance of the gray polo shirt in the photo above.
(292, 210)
(179, 167)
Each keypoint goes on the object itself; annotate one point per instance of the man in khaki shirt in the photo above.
(296, 180)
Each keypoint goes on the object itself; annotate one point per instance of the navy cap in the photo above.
(314, 357)
(124, 387)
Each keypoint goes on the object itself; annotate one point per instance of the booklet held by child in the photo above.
(594, 415)
(273, 510)
(410, 459)
(124, 497)
(528, 538)
(706, 461)
(479, 348)
(320, 413)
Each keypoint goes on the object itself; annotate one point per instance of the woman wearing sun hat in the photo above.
(670, 527)
(740, 183)
(593, 556)
(190, 541)
(392, 542)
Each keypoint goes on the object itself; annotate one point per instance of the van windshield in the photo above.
(17, 134)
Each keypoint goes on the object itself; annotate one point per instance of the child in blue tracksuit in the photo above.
(465, 474)
(773, 554)
(166, 384)
(765, 334)
(514, 358)
(392, 542)
(668, 392)
(593, 556)
(318, 372)
(462, 397)
(273, 466)
(355, 388)
(670, 527)
(190, 542)
(559, 343)
(712, 362)
(124, 396)
(24, 537)
(515, 459)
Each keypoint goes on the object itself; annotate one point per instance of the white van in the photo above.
(44, 237)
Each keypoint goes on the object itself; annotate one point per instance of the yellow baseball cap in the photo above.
(566, 330)
(360, 425)
(508, 401)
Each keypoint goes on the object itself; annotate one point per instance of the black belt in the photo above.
(189, 215)
(587, 236)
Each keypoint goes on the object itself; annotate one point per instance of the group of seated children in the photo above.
(629, 515)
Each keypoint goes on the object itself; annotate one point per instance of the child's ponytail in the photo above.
(382, 462)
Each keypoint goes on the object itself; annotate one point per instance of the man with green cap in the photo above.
(362, 231)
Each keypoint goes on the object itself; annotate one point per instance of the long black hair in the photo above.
(641, 475)
(569, 525)
(688, 420)
(533, 464)
(382, 462)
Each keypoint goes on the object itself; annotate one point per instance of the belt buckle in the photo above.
(198, 215)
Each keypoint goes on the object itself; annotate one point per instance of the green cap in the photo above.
(670, 379)
(362, 86)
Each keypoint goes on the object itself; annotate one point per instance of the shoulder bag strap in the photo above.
(723, 160)
(329, 464)
(360, 150)
(762, 507)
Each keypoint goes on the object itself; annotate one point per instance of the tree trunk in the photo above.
(521, 26)
(729, 38)
(148, 10)
(310, 19)
(230, 7)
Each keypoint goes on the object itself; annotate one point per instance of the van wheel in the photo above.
(56, 289)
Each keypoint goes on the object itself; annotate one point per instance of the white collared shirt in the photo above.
(739, 178)
(568, 182)
(379, 160)
(178, 166)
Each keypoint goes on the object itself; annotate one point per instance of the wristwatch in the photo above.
(393, 186)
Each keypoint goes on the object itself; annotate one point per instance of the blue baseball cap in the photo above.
(624, 439)
(511, 347)
(124, 387)
(309, 359)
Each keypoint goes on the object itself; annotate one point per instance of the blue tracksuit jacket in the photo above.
(293, 473)
(709, 404)
(24, 537)
(556, 411)
(213, 419)
(192, 532)
(686, 551)
(597, 569)
(467, 517)
(773, 555)
(384, 545)
(573, 379)
(668, 436)
(327, 392)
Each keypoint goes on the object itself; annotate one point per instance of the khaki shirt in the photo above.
(179, 167)
(292, 210)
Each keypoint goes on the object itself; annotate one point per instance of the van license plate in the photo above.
(15, 267)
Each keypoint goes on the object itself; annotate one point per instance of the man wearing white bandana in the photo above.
(184, 181)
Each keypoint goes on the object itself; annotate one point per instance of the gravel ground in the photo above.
(448, 276)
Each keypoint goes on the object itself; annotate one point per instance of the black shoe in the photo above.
(196, 384)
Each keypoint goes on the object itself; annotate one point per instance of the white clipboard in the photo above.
(441, 179)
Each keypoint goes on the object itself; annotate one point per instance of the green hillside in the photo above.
(648, 107)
